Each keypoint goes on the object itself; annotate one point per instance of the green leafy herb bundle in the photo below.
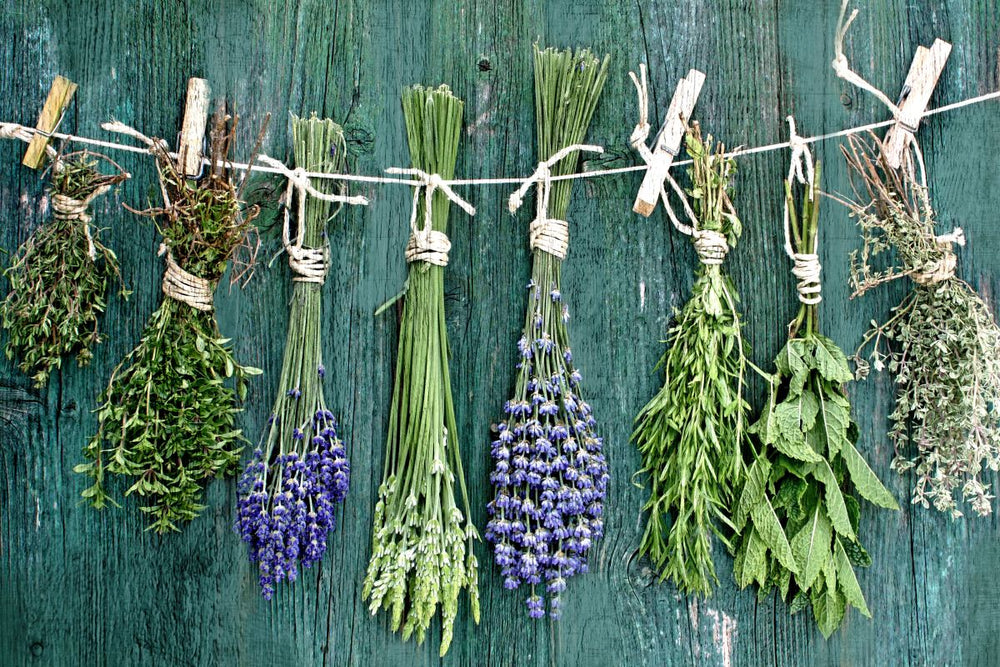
(167, 418)
(801, 483)
(942, 341)
(692, 435)
(550, 475)
(422, 538)
(59, 277)
(290, 488)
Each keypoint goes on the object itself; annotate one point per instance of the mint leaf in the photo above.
(836, 509)
(769, 527)
(831, 362)
(865, 480)
(811, 547)
(848, 581)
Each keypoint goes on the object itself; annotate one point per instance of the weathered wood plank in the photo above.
(80, 587)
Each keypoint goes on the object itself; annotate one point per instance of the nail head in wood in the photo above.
(60, 94)
(189, 145)
(668, 141)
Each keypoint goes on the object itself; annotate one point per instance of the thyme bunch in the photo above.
(422, 539)
(805, 480)
(289, 489)
(167, 418)
(692, 435)
(550, 475)
(941, 343)
(59, 276)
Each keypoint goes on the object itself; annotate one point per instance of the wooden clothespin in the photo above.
(60, 94)
(192, 136)
(925, 70)
(668, 142)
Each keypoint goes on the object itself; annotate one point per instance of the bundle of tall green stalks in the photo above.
(422, 539)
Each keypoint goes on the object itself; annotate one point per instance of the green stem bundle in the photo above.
(60, 275)
(167, 418)
(422, 538)
(692, 435)
(801, 483)
(942, 340)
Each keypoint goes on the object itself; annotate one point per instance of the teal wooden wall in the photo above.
(79, 587)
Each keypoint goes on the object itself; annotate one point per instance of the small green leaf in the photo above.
(848, 580)
(865, 480)
(811, 546)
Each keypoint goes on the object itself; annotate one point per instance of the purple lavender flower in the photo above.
(549, 472)
(285, 509)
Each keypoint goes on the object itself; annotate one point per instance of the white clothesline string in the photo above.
(359, 178)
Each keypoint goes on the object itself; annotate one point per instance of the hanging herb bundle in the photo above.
(166, 418)
(809, 464)
(421, 539)
(60, 275)
(942, 341)
(289, 489)
(692, 435)
(550, 476)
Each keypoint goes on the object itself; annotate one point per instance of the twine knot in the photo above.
(68, 208)
(807, 269)
(943, 268)
(711, 246)
(310, 265)
(427, 244)
(547, 234)
(180, 285)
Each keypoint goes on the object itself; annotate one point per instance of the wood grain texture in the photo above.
(81, 587)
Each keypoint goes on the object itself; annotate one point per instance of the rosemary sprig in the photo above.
(942, 342)
(692, 435)
(801, 483)
(290, 487)
(166, 418)
(60, 275)
(422, 539)
(550, 476)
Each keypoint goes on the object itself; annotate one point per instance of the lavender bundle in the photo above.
(943, 343)
(289, 490)
(421, 539)
(806, 482)
(692, 435)
(550, 475)
(167, 419)
(60, 275)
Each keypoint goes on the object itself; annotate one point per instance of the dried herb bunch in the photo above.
(942, 343)
(59, 277)
(550, 475)
(167, 418)
(289, 489)
(692, 435)
(805, 480)
(422, 538)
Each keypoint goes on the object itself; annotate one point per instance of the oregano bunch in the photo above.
(797, 516)
(166, 421)
(693, 434)
(941, 343)
(59, 277)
